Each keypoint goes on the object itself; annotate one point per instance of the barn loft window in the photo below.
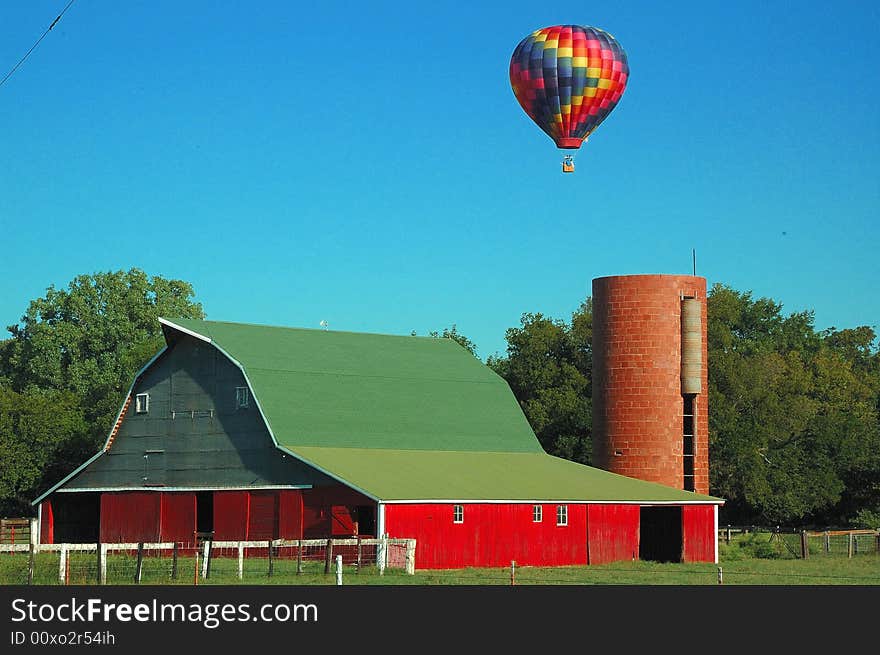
(142, 403)
(562, 515)
(458, 514)
(537, 514)
(242, 397)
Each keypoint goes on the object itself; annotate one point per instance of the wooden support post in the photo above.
(206, 559)
(98, 557)
(849, 544)
(359, 554)
(299, 556)
(196, 569)
(339, 570)
(105, 549)
(382, 553)
(241, 559)
(174, 562)
(271, 559)
(140, 562)
(411, 556)
(31, 557)
(328, 555)
(805, 547)
(720, 576)
(62, 565)
(827, 542)
(512, 572)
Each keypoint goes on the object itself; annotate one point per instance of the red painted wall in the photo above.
(178, 521)
(329, 511)
(290, 514)
(47, 523)
(231, 515)
(130, 516)
(613, 533)
(698, 533)
(263, 515)
(491, 534)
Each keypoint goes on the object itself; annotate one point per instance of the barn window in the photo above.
(537, 514)
(242, 397)
(142, 403)
(458, 514)
(562, 515)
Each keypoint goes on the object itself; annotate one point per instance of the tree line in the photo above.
(793, 411)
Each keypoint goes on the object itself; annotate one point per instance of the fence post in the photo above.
(98, 558)
(512, 572)
(206, 558)
(140, 562)
(805, 547)
(196, 569)
(271, 558)
(720, 576)
(328, 555)
(31, 552)
(849, 544)
(102, 572)
(381, 553)
(411, 556)
(339, 570)
(299, 557)
(241, 559)
(728, 533)
(827, 542)
(878, 541)
(359, 554)
(174, 562)
(62, 565)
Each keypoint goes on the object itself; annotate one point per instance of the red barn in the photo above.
(256, 432)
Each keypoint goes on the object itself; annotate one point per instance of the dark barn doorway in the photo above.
(205, 511)
(365, 515)
(660, 534)
(77, 517)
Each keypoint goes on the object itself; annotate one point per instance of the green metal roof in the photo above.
(455, 475)
(407, 418)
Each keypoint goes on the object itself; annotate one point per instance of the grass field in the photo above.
(750, 560)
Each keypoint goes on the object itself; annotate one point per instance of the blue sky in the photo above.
(367, 164)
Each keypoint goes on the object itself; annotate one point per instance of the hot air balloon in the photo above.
(568, 78)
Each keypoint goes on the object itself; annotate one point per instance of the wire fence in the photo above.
(202, 562)
(803, 544)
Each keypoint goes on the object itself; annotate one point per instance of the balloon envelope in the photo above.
(568, 78)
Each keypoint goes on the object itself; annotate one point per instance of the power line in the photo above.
(49, 29)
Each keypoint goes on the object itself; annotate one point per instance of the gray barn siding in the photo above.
(205, 440)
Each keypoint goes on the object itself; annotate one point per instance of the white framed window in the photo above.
(142, 403)
(537, 514)
(562, 515)
(458, 514)
(242, 397)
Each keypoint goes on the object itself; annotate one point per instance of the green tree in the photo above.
(458, 337)
(81, 347)
(549, 369)
(38, 431)
(792, 417)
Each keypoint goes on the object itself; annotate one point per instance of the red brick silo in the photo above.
(643, 391)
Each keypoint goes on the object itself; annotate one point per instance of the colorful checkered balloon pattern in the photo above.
(568, 78)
